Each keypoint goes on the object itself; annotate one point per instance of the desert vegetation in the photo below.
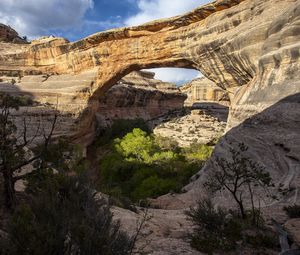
(59, 212)
(219, 229)
(141, 165)
(62, 216)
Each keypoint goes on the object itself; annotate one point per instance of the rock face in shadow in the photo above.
(273, 139)
(138, 95)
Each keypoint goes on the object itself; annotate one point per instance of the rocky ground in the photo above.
(190, 126)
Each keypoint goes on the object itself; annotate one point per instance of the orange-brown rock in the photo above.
(248, 47)
(201, 90)
(232, 42)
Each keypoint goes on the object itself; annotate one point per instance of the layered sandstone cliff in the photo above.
(203, 90)
(250, 48)
(138, 95)
(232, 42)
(242, 46)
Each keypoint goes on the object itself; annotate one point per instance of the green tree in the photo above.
(136, 145)
(239, 176)
(212, 230)
(63, 216)
(141, 166)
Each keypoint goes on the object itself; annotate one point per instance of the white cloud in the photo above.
(156, 9)
(37, 17)
(175, 75)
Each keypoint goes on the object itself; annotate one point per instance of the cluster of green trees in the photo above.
(59, 214)
(142, 166)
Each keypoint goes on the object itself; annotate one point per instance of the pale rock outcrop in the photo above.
(198, 126)
(204, 90)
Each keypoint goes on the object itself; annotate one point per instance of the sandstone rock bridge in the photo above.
(251, 48)
(248, 47)
(245, 44)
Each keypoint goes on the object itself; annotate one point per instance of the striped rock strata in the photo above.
(248, 47)
(240, 45)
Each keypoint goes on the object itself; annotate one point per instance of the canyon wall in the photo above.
(250, 48)
(237, 44)
(138, 96)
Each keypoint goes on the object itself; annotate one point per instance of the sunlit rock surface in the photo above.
(203, 90)
(249, 48)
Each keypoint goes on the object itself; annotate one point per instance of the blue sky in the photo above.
(76, 19)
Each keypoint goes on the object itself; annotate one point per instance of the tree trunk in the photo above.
(9, 189)
(255, 220)
(241, 206)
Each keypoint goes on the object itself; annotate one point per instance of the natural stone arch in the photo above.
(174, 42)
(248, 47)
(238, 44)
(105, 82)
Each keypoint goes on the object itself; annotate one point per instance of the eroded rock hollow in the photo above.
(250, 48)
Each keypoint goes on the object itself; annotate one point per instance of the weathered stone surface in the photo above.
(242, 46)
(204, 90)
(165, 233)
(138, 95)
(232, 42)
(273, 140)
(293, 228)
(250, 48)
(189, 127)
